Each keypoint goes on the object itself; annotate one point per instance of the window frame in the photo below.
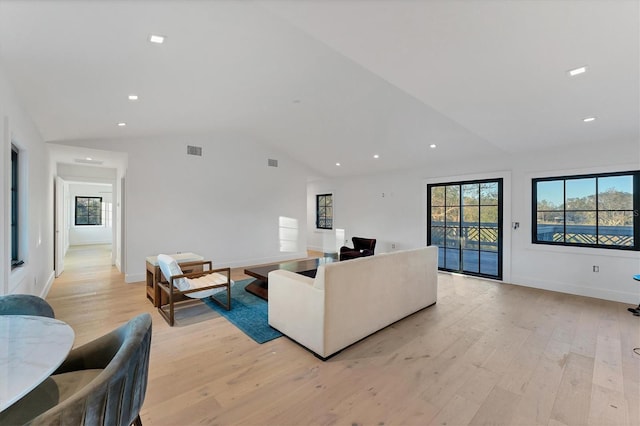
(325, 216)
(635, 174)
(89, 198)
(499, 225)
(15, 206)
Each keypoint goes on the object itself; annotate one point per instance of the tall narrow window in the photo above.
(465, 222)
(324, 211)
(14, 207)
(598, 210)
(88, 211)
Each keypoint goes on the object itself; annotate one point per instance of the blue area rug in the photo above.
(248, 312)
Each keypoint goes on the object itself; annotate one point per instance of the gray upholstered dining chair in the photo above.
(25, 304)
(100, 383)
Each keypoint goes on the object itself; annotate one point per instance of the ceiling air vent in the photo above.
(194, 150)
(272, 163)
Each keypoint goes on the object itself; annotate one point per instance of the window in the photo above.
(14, 207)
(324, 211)
(88, 211)
(465, 222)
(598, 210)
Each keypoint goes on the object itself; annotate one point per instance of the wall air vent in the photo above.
(194, 150)
(272, 163)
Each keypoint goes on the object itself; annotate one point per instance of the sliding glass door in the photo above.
(465, 222)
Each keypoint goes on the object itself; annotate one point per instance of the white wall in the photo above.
(36, 178)
(224, 205)
(399, 217)
(83, 235)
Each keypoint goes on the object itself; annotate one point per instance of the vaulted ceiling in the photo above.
(332, 81)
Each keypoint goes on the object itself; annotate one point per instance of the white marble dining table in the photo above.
(31, 348)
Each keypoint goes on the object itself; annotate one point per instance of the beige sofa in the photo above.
(350, 300)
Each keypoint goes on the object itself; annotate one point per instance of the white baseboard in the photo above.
(47, 287)
(605, 294)
(134, 278)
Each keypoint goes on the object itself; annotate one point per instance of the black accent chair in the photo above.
(25, 304)
(361, 247)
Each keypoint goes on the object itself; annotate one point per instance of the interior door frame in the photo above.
(59, 226)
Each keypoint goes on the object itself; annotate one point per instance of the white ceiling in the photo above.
(328, 81)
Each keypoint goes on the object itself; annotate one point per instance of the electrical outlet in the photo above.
(393, 245)
(596, 268)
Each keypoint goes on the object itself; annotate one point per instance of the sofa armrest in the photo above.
(296, 308)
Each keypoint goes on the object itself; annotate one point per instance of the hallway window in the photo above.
(14, 207)
(324, 211)
(88, 211)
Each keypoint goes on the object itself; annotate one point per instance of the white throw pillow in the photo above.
(170, 268)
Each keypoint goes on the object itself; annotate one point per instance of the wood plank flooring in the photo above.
(485, 354)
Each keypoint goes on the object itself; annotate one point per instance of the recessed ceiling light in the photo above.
(433, 145)
(89, 158)
(122, 124)
(133, 97)
(589, 119)
(338, 164)
(376, 156)
(577, 71)
(156, 38)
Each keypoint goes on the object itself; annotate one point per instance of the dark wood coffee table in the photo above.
(260, 287)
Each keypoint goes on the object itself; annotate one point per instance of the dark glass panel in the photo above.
(581, 194)
(489, 263)
(489, 239)
(550, 195)
(441, 254)
(437, 215)
(471, 238)
(471, 194)
(489, 215)
(437, 236)
(616, 228)
(452, 259)
(615, 193)
(489, 194)
(471, 261)
(470, 215)
(437, 195)
(453, 195)
(452, 237)
(452, 215)
(550, 233)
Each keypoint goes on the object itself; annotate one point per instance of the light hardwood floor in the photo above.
(486, 353)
